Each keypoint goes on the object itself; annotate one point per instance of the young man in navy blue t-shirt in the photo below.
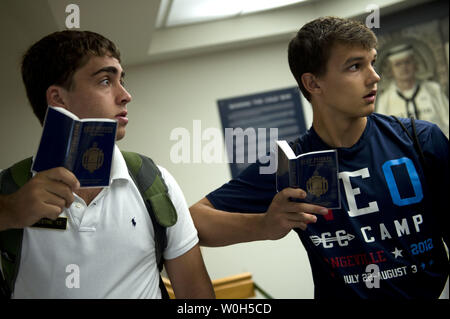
(386, 241)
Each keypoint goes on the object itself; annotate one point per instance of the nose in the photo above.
(373, 76)
(123, 96)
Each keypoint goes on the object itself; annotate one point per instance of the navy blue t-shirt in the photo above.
(386, 240)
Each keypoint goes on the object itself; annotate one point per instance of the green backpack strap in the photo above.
(152, 187)
(16, 176)
(154, 192)
(11, 180)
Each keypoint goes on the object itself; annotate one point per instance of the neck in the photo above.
(339, 131)
(88, 194)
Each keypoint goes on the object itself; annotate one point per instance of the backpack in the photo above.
(148, 180)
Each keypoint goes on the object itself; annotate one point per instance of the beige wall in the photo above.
(19, 129)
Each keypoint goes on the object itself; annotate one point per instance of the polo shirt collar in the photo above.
(119, 169)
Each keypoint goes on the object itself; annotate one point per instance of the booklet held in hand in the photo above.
(315, 172)
(83, 146)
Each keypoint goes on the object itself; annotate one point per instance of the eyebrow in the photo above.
(109, 69)
(356, 59)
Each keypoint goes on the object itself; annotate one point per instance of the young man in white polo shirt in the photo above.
(109, 240)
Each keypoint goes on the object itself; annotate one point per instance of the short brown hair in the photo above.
(54, 59)
(309, 50)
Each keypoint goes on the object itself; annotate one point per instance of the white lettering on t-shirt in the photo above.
(350, 193)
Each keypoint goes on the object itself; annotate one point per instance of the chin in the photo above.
(369, 109)
(370, 112)
(120, 134)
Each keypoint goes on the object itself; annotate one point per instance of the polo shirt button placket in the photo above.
(90, 220)
(76, 212)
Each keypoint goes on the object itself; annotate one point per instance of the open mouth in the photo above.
(371, 96)
(122, 118)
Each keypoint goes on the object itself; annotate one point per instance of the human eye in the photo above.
(105, 82)
(354, 67)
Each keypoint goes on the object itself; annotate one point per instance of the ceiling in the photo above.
(131, 25)
(182, 12)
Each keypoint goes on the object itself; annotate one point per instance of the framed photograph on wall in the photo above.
(413, 63)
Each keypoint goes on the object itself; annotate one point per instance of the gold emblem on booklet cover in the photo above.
(317, 185)
(93, 158)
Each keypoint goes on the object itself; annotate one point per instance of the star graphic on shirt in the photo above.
(397, 253)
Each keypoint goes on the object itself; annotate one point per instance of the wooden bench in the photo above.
(239, 286)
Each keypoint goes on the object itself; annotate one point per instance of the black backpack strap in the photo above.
(442, 222)
(414, 139)
(11, 242)
(11, 180)
(5, 291)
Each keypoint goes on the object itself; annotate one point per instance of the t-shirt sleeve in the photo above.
(250, 192)
(182, 236)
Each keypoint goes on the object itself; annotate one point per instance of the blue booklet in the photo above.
(315, 172)
(83, 146)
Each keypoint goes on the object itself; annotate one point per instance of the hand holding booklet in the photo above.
(315, 172)
(83, 146)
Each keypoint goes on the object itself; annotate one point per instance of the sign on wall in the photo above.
(252, 123)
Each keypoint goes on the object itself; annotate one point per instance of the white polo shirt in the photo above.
(107, 250)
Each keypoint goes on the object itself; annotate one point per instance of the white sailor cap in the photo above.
(400, 52)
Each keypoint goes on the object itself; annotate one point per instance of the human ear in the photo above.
(55, 96)
(310, 83)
